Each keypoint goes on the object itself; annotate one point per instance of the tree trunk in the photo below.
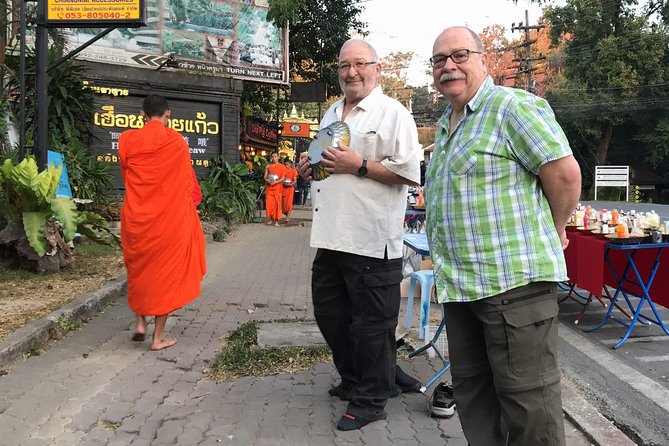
(604, 141)
(602, 151)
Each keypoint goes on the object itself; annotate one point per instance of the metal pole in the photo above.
(22, 79)
(41, 87)
(528, 54)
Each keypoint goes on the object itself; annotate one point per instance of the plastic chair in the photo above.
(426, 279)
(433, 345)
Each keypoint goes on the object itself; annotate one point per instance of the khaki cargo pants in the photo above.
(506, 379)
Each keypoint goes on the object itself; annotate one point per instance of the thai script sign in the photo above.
(262, 130)
(198, 122)
(94, 13)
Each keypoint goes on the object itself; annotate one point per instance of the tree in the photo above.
(317, 29)
(393, 78)
(500, 57)
(614, 65)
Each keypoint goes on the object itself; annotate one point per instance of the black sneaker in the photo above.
(442, 403)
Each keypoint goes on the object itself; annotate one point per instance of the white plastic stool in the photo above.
(426, 279)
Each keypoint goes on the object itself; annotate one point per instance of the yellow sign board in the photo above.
(93, 12)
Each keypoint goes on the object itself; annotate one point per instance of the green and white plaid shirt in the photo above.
(489, 224)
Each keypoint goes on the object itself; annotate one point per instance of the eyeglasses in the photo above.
(458, 57)
(359, 66)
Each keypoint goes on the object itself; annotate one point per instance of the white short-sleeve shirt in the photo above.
(359, 215)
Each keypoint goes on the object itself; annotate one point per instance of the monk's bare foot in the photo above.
(269, 223)
(163, 343)
(140, 329)
(276, 224)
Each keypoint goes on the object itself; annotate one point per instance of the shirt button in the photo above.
(316, 210)
(505, 302)
(318, 190)
(367, 268)
(443, 152)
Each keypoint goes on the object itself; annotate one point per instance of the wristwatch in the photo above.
(362, 171)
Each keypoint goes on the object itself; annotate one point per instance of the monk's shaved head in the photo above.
(155, 106)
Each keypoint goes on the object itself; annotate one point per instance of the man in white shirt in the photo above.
(358, 214)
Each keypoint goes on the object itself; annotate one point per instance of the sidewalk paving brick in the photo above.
(124, 394)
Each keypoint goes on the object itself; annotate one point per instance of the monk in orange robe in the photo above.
(275, 173)
(289, 188)
(161, 234)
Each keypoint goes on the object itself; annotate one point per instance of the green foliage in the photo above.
(89, 178)
(66, 325)
(225, 194)
(31, 195)
(70, 109)
(241, 356)
(71, 103)
(658, 142)
(614, 93)
(318, 29)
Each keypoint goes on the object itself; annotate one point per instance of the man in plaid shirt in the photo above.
(500, 188)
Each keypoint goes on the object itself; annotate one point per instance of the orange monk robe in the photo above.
(289, 191)
(162, 239)
(273, 194)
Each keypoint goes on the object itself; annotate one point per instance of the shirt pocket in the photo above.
(367, 144)
(463, 160)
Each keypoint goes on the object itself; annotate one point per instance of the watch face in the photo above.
(295, 128)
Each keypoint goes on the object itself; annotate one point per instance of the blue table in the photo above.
(417, 242)
(643, 283)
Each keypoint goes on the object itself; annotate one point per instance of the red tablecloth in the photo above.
(587, 268)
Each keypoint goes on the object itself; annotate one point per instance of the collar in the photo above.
(367, 103)
(478, 99)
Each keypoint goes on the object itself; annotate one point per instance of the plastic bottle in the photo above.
(586, 220)
(614, 217)
(620, 231)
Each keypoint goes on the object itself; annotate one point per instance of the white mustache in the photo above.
(451, 77)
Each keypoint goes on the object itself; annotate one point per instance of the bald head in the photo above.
(474, 38)
(358, 43)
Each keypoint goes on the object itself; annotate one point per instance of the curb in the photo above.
(36, 334)
(586, 417)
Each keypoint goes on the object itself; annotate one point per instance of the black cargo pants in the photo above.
(356, 304)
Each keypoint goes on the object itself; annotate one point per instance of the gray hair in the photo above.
(360, 42)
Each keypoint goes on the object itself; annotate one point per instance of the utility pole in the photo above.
(526, 62)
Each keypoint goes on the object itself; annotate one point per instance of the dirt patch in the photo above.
(27, 296)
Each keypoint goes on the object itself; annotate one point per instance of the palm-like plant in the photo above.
(38, 217)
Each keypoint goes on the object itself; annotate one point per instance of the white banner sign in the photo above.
(612, 176)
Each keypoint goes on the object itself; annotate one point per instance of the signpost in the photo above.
(72, 14)
(612, 176)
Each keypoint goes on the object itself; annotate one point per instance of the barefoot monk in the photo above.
(163, 242)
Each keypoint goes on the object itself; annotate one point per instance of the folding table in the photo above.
(642, 278)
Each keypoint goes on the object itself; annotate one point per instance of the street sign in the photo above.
(94, 13)
(612, 176)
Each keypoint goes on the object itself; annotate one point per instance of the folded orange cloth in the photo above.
(161, 234)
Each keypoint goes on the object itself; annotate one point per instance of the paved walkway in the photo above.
(96, 387)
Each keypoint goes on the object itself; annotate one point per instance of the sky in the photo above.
(412, 25)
